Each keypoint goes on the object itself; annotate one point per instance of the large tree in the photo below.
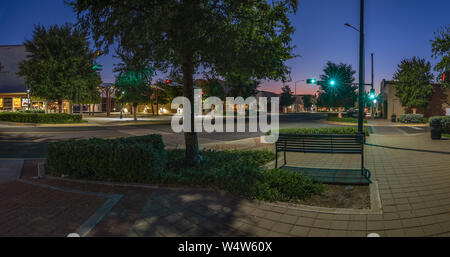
(413, 83)
(307, 101)
(133, 84)
(59, 65)
(286, 97)
(441, 49)
(253, 37)
(343, 92)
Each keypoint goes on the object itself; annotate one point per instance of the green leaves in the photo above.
(413, 82)
(59, 64)
(441, 49)
(135, 159)
(343, 92)
(34, 117)
(286, 97)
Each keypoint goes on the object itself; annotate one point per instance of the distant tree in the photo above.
(307, 101)
(286, 97)
(413, 83)
(343, 92)
(240, 84)
(253, 37)
(60, 65)
(441, 49)
(212, 87)
(135, 76)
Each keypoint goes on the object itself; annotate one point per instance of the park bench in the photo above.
(339, 144)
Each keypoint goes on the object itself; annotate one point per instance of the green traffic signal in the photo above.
(372, 94)
(332, 82)
(311, 81)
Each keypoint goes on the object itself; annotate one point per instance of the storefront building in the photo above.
(439, 104)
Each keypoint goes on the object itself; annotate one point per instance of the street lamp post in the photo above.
(121, 106)
(28, 100)
(361, 68)
(374, 101)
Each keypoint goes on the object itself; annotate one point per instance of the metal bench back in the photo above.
(349, 144)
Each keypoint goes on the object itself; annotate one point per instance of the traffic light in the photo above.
(167, 81)
(446, 77)
(372, 94)
(332, 82)
(96, 66)
(311, 81)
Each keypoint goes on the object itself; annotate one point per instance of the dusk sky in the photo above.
(395, 29)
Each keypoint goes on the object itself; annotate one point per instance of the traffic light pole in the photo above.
(372, 114)
(361, 70)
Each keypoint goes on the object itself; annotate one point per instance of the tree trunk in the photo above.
(108, 103)
(59, 106)
(134, 111)
(46, 107)
(151, 103)
(190, 138)
(70, 107)
(157, 108)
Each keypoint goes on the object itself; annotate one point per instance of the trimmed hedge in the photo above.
(40, 117)
(411, 118)
(445, 121)
(327, 130)
(144, 160)
(135, 159)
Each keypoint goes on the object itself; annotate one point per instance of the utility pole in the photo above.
(361, 70)
(372, 114)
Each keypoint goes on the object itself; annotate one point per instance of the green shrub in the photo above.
(238, 172)
(37, 117)
(321, 131)
(124, 160)
(445, 122)
(411, 118)
(144, 160)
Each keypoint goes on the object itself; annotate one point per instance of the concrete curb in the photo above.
(375, 125)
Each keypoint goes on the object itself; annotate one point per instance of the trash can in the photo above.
(436, 129)
(394, 118)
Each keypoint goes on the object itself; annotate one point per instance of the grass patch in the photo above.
(446, 135)
(344, 119)
(347, 130)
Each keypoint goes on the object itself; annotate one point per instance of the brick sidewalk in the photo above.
(412, 173)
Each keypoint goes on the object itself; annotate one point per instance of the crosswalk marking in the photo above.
(416, 128)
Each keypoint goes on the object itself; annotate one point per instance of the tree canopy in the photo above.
(240, 84)
(252, 37)
(343, 92)
(133, 82)
(307, 101)
(441, 49)
(413, 83)
(286, 97)
(59, 65)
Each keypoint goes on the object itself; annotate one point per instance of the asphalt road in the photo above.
(30, 142)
